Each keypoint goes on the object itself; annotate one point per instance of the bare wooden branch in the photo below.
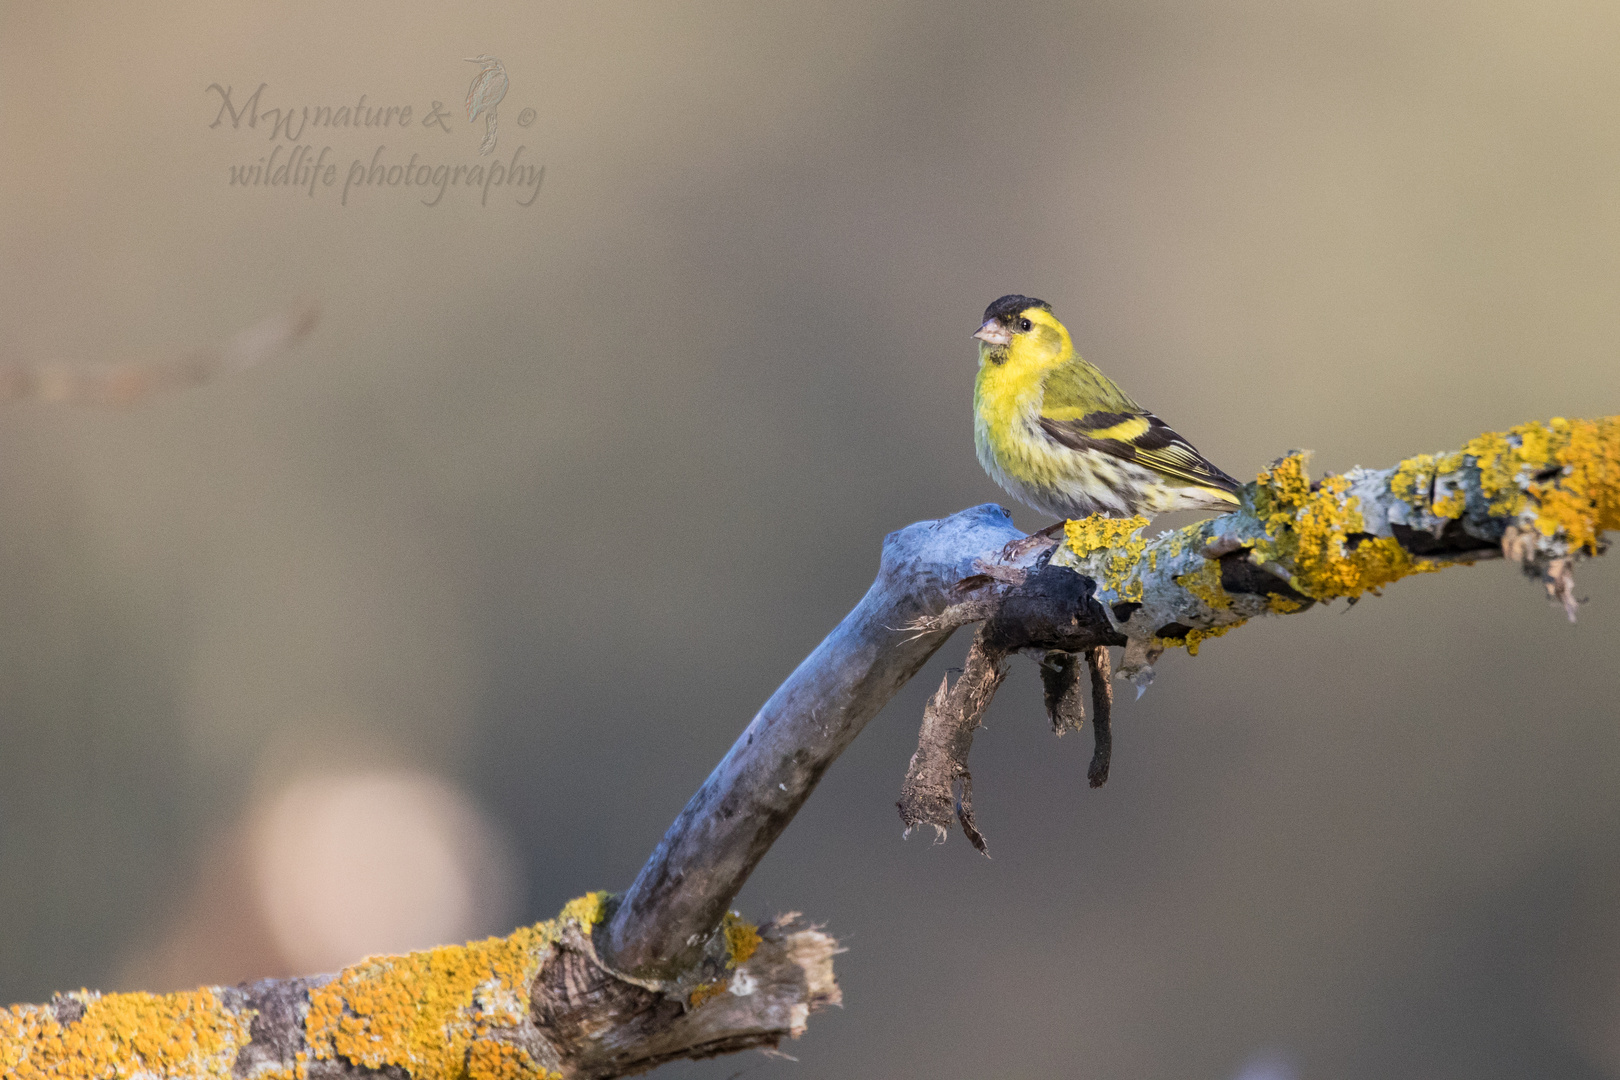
(1060, 674)
(1060, 683)
(929, 583)
(1102, 709)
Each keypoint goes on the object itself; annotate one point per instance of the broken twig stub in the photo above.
(938, 785)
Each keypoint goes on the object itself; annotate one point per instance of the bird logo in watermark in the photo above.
(487, 89)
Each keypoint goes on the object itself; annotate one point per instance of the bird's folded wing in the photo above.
(1138, 437)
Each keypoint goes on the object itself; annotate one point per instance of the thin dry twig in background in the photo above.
(126, 383)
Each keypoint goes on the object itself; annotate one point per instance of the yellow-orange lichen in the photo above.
(1559, 481)
(1582, 501)
(1119, 546)
(1576, 502)
(1498, 460)
(1562, 474)
(438, 1015)
(493, 1060)
(298, 1071)
(741, 940)
(741, 937)
(432, 1013)
(1451, 502)
(1281, 490)
(1198, 635)
(189, 1034)
(703, 992)
(1205, 583)
(1309, 532)
(1412, 478)
(587, 910)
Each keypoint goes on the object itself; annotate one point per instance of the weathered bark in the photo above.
(1065, 708)
(537, 1004)
(938, 779)
(616, 986)
(1102, 707)
(934, 577)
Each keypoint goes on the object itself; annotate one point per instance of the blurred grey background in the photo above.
(491, 570)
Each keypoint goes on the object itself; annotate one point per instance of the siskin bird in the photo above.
(1058, 435)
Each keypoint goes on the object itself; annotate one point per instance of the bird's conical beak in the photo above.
(993, 332)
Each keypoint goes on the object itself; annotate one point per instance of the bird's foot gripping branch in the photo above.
(1541, 495)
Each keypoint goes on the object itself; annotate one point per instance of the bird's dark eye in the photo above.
(1025, 325)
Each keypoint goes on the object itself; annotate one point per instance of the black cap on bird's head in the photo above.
(1011, 306)
(1001, 317)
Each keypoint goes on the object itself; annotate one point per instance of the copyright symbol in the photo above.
(525, 118)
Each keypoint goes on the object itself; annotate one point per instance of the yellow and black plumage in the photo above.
(1057, 434)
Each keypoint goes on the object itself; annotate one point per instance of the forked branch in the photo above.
(617, 985)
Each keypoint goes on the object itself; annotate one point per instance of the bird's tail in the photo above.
(488, 144)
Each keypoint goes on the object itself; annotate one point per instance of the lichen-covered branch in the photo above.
(617, 985)
(535, 1005)
(1541, 494)
(934, 577)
